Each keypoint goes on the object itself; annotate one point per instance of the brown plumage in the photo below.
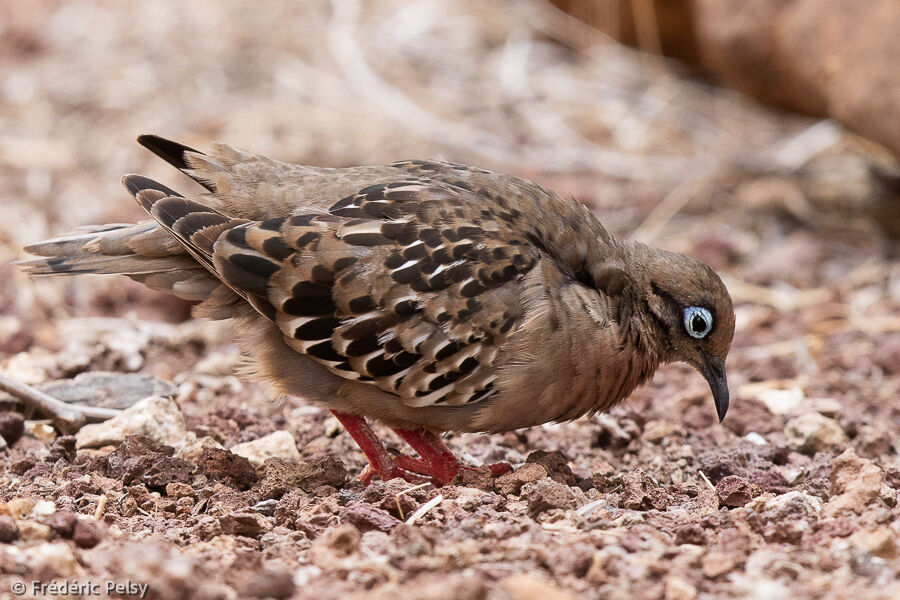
(426, 295)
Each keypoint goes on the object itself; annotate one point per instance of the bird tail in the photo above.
(170, 253)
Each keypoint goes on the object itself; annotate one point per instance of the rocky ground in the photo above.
(205, 488)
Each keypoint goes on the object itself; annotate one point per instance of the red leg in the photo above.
(381, 463)
(436, 458)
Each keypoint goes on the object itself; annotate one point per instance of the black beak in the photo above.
(713, 369)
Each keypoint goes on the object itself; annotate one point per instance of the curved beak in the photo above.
(713, 369)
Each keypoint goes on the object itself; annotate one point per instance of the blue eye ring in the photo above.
(698, 321)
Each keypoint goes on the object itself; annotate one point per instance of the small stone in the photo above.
(155, 417)
(855, 482)
(9, 532)
(679, 589)
(179, 490)
(54, 558)
(19, 507)
(281, 476)
(277, 583)
(756, 439)
(33, 531)
(62, 523)
(245, 523)
(41, 431)
(366, 517)
(279, 444)
(87, 533)
(229, 468)
(657, 431)
(62, 448)
(642, 493)
(12, 426)
(734, 491)
(556, 464)
(715, 564)
(43, 508)
(512, 482)
(546, 494)
(813, 432)
(881, 542)
(335, 544)
(525, 586)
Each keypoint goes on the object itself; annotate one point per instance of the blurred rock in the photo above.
(366, 517)
(855, 482)
(156, 417)
(546, 494)
(87, 533)
(881, 542)
(525, 586)
(9, 532)
(279, 444)
(734, 491)
(813, 432)
(232, 470)
(511, 483)
(12, 426)
(281, 476)
(245, 523)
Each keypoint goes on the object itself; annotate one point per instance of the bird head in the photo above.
(693, 312)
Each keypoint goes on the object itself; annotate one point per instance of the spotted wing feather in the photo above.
(389, 287)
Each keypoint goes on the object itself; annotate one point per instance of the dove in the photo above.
(427, 296)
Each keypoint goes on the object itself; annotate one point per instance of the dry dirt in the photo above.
(794, 496)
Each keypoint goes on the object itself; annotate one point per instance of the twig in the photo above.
(660, 216)
(406, 491)
(101, 507)
(708, 482)
(68, 418)
(423, 510)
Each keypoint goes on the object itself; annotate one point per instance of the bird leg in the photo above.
(381, 462)
(437, 461)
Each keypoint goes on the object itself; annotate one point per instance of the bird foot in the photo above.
(390, 473)
(436, 463)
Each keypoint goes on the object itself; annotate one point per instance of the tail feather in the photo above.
(174, 154)
(171, 253)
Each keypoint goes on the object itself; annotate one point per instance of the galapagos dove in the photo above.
(427, 296)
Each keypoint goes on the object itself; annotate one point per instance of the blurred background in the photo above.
(760, 136)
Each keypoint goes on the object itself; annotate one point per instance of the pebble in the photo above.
(155, 417)
(12, 426)
(734, 491)
(9, 532)
(87, 533)
(279, 444)
(245, 523)
(546, 494)
(813, 432)
(512, 482)
(881, 542)
(63, 523)
(525, 586)
(855, 482)
(679, 589)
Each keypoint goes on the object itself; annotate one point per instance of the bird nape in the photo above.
(427, 296)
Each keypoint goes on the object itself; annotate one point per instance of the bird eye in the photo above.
(697, 321)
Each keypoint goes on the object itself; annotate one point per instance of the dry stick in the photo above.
(406, 491)
(343, 43)
(660, 216)
(68, 417)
